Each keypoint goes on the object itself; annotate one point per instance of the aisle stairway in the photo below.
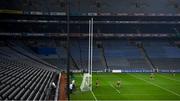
(146, 57)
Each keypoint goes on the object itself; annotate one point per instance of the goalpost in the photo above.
(86, 84)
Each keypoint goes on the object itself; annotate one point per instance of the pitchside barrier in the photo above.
(144, 71)
(57, 89)
(131, 70)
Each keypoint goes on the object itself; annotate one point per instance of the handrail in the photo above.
(107, 67)
(57, 89)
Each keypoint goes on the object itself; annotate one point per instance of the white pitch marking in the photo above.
(169, 78)
(94, 95)
(115, 88)
(156, 85)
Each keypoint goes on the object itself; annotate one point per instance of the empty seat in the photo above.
(2, 86)
(29, 84)
(37, 96)
(42, 96)
(19, 82)
(15, 81)
(42, 86)
(33, 85)
(11, 80)
(26, 94)
(23, 84)
(31, 96)
(14, 93)
(8, 92)
(4, 90)
(17, 97)
(6, 79)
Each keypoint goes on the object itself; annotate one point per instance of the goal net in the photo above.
(86, 84)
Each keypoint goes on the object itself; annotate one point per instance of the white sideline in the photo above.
(156, 85)
(115, 88)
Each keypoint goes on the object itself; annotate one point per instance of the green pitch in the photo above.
(134, 86)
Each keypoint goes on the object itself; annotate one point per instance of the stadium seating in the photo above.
(13, 4)
(102, 6)
(79, 51)
(75, 52)
(118, 55)
(19, 51)
(59, 59)
(163, 55)
(122, 55)
(138, 63)
(22, 78)
(167, 63)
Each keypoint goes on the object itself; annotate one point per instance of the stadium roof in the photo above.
(122, 18)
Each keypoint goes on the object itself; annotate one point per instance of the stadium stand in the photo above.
(79, 7)
(23, 78)
(58, 59)
(110, 54)
(163, 54)
(44, 43)
(120, 54)
(166, 63)
(97, 62)
(116, 54)
(13, 5)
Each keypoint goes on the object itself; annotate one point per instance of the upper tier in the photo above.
(102, 7)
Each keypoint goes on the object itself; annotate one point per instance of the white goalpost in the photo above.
(86, 84)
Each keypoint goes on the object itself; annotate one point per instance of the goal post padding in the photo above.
(86, 84)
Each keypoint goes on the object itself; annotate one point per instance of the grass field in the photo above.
(134, 86)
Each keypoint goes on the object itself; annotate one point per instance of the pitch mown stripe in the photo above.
(155, 85)
(169, 78)
(132, 88)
